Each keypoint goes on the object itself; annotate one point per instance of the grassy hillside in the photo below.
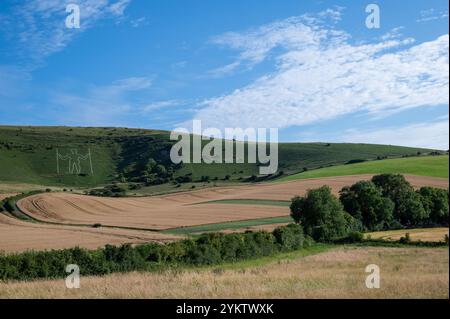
(435, 166)
(28, 155)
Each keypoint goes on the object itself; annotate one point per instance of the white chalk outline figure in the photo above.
(74, 161)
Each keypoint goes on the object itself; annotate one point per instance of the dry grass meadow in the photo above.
(337, 273)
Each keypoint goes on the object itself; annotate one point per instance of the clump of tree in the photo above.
(322, 215)
(365, 202)
(435, 203)
(113, 190)
(408, 206)
(388, 201)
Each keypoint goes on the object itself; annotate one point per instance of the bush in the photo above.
(290, 237)
(406, 239)
(321, 214)
(355, 237)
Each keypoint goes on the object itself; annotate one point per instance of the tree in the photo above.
(408, 209)
(364, 201)
(435, 202)
(160, 170)
(321, 214)
(151, 163)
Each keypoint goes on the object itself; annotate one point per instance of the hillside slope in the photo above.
(29, 155)
(434, 166)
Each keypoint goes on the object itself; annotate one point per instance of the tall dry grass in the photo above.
(339, 273)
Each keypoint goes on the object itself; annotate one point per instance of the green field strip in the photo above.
(228, 225)
(433, 166)
(268, 202)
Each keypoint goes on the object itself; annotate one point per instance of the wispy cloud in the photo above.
(320, 75)
(160, 105)
(432, 14)
(394, 33)
(37, 27)
(135, 23)
(296, 32)
(432, 134)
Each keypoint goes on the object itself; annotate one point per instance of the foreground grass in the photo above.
(434, 166)
(416, 234)
(324, 272)
(228, 225)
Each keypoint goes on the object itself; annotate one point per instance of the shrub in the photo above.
(355, 237)
(290, 237)
(406, 239)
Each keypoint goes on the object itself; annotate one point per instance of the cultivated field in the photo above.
(176, 210)
(17, 235)
(423, 234)
(338, 273)
(163, 212)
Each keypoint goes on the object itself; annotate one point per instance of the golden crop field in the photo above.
(416, 234)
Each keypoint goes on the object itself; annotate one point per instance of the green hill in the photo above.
(435, 166)
(29, 155)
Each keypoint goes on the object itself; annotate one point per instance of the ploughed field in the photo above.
(182, 209)
(17, 235)
(66, 220)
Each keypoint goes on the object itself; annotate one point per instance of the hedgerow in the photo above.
(208, 249)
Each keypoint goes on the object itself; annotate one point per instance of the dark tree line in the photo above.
(388, 201)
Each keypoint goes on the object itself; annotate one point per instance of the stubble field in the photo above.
(134, 220)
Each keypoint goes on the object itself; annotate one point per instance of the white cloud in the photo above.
(292, 33)
(392, 34)
(135, 23)
(432, 14)
(160, 105)
(37, 27)
(433, 135)
(119, 7)
(321, 75)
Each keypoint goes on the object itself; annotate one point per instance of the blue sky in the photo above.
(310, 68)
